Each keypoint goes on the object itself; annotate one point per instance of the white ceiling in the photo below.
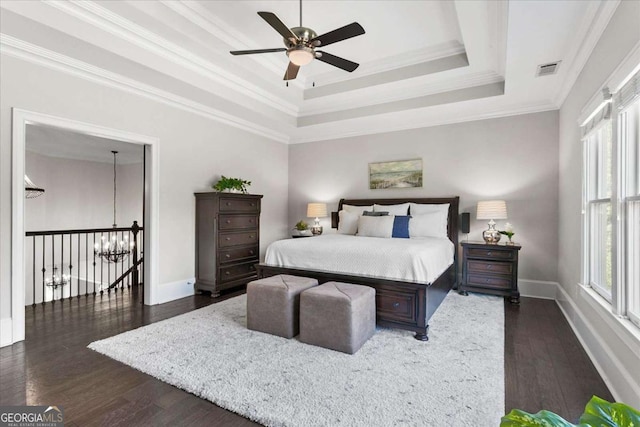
(422, 63)
(55, 142)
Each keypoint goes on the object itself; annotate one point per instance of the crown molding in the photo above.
(382, 126)
(588, 34)
(395, 93)
(35, 54)
(112, 23)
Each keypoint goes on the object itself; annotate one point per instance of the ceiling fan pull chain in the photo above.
(301, 13)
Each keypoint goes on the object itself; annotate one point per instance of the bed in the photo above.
(407, 292)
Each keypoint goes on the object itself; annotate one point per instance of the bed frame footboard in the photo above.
(401, 305)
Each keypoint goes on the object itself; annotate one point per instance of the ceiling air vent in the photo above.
(547, 69)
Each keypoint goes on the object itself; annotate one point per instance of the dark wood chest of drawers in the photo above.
(227, 240)
(491, 269)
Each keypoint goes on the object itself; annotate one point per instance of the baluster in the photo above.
(78, 273)
(86, 265)
(129, 257)
(109, 268)
(53, 263)
(70, 268)
(101, 265)
(61, 269)
(94, 264)
(33, 262)
(44, 269)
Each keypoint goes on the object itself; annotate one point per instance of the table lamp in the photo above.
(491, 209)
(317, 211)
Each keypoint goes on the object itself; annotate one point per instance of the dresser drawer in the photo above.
(226, 240)
(230, 204)
(489, 281)
(490, 253)
(237, 271)
(490, 267)
(232, 222)
(235, 254)
(399, 307)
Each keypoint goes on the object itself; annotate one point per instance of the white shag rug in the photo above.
(454, 379)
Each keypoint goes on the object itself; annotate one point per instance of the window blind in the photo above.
(628, 93)
(602, 114)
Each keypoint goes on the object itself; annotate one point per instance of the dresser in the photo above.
(491, 269)
(227, 240)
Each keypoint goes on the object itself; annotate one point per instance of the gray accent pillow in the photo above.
(375, 213)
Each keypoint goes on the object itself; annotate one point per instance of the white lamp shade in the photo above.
(317, 210)
(492, 209)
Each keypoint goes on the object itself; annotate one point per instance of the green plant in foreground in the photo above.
(301, 225)
(225, 183)
(597, 413)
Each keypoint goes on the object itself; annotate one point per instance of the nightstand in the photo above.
(490, 269)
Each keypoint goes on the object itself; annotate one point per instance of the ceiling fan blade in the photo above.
(352, 30)
(278, 25)
(292, 71)
(336, 61)
(250, 52)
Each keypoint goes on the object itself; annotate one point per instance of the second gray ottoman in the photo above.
(273, 304)
(339, 316)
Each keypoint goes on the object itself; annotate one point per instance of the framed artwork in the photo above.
(400, 174)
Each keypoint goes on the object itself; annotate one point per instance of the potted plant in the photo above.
(598, 412)
(301, 229)
(231, 185)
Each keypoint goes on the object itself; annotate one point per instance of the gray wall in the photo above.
(79, 193)
(602, 335)
(513, 158)
(193, 152)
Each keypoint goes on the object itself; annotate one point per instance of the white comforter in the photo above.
(408, 260)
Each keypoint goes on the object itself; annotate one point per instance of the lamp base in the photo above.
(491, 236)
(316, 230)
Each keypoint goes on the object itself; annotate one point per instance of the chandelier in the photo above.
(56, 281)
(112, 249)
(30, 189)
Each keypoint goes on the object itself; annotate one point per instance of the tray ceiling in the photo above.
(422, 63)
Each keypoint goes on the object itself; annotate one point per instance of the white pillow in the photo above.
(401, 209)
(348, 222)
(375, 226)
(432, 224)
(420, 208)
(357, 209)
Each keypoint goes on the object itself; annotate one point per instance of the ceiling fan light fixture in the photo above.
(301, 55)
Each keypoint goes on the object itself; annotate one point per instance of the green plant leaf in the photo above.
(599, 412)
(519, 418)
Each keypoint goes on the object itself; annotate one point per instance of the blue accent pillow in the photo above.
(401, 226)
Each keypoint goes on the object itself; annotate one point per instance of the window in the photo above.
(611, 195)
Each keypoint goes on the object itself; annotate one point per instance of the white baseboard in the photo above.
(538, 289)
(622, 384)
(6, 332)
(175, 290)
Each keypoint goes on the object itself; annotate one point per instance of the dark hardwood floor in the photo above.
(545, 366)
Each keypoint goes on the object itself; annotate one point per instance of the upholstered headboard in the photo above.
(452, 228)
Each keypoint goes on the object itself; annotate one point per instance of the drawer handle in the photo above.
(228, 256)
(487, 280)
(228, 221)
(250, 221)
(227, 239)
(252, 204)
(489, 267)
(396, 304)
(251, 267)
(489, 253)
(228, 203)
(251, 236)
(227, 273)
(251, 252)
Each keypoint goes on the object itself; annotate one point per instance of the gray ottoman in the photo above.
(273, 304)
(339, 316)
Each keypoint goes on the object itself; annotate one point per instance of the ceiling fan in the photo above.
(302, 43)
